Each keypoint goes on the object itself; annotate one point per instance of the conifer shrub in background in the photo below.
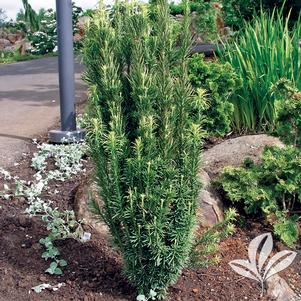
(204, 19)
(236, 12)
(144, 134)
(288, 111)
(219, 82)
(270, 188)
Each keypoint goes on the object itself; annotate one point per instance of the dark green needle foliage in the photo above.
(145, 138)
(271, 188)
(207, 243)
(288, 112)
(220, 82)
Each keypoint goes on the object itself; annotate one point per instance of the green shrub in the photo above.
(207, 244)
(265, 52)
(77, 11)
(205, 19)
(286, 7)
(14, 56)
(288, 108)
(220, 83)
(176, 9)
(236, 12)
(145, 137)
(271, 188)
(13, 27)
(3, 18)
(45, 40)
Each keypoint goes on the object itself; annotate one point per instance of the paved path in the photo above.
(29, 103)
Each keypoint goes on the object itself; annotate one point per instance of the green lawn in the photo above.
(7, 57)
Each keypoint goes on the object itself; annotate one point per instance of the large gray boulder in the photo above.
(233, 152)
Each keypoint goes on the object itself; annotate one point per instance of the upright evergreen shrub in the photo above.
(145, 138)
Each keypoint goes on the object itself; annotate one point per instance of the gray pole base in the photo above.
(57, 136)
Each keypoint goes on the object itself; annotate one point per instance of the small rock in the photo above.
(22, 200)
(43, 278)
(85, 283)
(4, 43)
(211, 209)
(22, 284)
(24, 221)
(204, 179)
(12, 37)
(22, 46)
(37, 246)
(196, 290)
(279, 290)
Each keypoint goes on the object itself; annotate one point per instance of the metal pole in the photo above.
(66, 75)
(66, 64)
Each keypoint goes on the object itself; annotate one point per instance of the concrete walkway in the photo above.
(29, 103)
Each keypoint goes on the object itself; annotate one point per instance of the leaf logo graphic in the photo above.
(258, 267)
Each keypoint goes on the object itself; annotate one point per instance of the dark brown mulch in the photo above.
(94, 271)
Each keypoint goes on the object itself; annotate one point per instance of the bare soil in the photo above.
(94, 271)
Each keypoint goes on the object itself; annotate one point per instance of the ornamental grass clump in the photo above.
(264, 52)
(144, 133)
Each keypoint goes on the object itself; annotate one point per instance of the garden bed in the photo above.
(94, 267)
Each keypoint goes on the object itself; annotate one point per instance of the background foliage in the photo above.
(237, 12)
(45, 40)
(204, 14)
(265, 52)
(41, 27)
(3, 17)
(288, 108)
